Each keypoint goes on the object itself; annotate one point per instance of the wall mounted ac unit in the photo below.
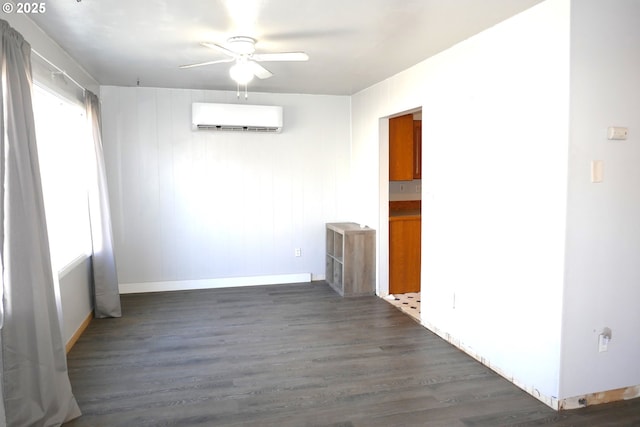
(236, 117)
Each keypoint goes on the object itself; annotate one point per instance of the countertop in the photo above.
(404, 210)
(403, 215)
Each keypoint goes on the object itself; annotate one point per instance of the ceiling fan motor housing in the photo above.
(242, 45)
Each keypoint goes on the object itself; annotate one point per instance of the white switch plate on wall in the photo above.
(617, 133)
(597, 171)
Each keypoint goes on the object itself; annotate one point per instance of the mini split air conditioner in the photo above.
(237, 117)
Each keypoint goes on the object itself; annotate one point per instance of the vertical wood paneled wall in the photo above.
(190, 205)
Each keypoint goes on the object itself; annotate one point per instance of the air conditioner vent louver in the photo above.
(239, 128)
(236, 117)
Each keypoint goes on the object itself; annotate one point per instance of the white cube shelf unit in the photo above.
(351, 258)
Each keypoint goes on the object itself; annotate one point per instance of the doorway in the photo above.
(404, 200)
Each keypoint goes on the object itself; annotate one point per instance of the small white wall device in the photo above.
(617, 133)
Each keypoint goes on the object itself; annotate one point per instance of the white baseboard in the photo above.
(225, 282)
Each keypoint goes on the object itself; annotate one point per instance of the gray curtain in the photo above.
(35, 384)
(105, 278)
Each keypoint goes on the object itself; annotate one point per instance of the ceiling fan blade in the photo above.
(259, 71)
(222, 49)
(283, 56)
(200, 64)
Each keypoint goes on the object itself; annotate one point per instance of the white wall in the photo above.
(495, 144)
(197, 205)
(76, 296)
(603, 234)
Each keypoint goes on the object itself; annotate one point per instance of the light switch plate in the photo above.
(617, 133)
(597, 171)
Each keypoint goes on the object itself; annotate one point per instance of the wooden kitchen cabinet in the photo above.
(417, 149)
(404, 254)
(401, 142)
(405, 148)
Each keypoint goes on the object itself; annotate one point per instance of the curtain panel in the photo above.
(34, 380)
(105, 277)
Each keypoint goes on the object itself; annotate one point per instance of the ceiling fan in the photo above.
(242, 51)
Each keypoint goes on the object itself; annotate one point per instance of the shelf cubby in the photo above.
(350, 258)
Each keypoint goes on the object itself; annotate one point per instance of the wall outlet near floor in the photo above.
(603, 343)
(298, 252)
(603, 340)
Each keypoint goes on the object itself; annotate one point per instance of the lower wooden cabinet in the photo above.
(404, 254)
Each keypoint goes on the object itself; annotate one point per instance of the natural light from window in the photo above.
(63, 150)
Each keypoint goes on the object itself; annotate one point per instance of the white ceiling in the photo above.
(352, 44)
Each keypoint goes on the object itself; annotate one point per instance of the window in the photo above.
(63, 152)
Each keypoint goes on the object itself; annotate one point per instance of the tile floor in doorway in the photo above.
(409, 303)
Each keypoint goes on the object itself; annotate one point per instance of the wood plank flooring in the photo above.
(291, 355)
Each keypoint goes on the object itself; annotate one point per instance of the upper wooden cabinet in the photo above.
(405, 144)
(417, 149)
(401, 148)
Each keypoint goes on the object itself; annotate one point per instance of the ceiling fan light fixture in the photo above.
(241, 73)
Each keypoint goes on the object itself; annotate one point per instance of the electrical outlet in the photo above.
(298, 252)
(603, 340)
(603, 343)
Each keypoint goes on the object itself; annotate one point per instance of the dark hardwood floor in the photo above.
(292, 355)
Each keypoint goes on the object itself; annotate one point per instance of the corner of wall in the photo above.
(550, 401)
